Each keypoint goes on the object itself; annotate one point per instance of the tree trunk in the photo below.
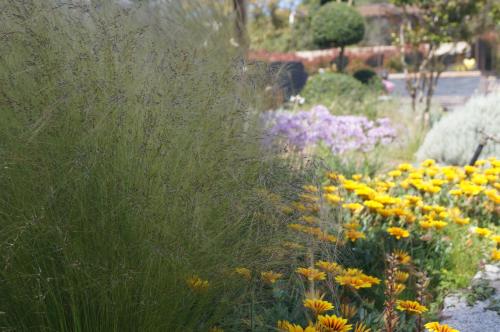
(240, 23)
(340, 61)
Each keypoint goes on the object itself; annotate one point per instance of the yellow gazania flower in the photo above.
(311, 188)
(438, 224)
(356, 282)
(325, 237)
(493, 195)
(495, 255)
(495, 238)
(461, 221)
(412, 307)
(455, 192)
(405, 167)
(395, 173)
(374, 205)
(216, 329)
(360, 327)
(351, 185)
(348, 311)
(469, 188)
(399, 288)
(428, 163)
(353, 235)
(482, 232)
(333, 199)
(402, 257)
(479, 179)
(244, 272)
(365, 192)
(333, 324)
(311, 274)
(385, 199)
(329, 267)
(308, 198)
(335, 176)
(286, 326)
(402, 276)
(354, 207)
(309, 219)
(398, 232)
(470, 169)
(330, 189)
(197, 284)
(352, 225)
(357, 177)
(436, 327)
(413, 200)
(318, 306)
(270, 277)
(426, 224)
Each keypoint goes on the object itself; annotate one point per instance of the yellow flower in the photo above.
(270, 277)
(412, 307)
(353, 235)
(311, 188)
(469, 188)
(402, 276)
(329, 267)
(470, 169)
(311, 274)
(398, 232)
(309, 219)
(365, 192)
(374, 205)
(402, 257)
(333, 199)
(197, 284)
(479, 179)
(405, 167)
(286, 326)
(357, 177)
(352, 225)
(360, 327)
(461, 221)
(216, 329)
(493, 195)
(354, 207)
(428, 163)
(394, 174)
(426, 224)
(436, 327)
(352, 281)
(495, 238)
(438, 224)
(318, 306)
(399, 288)
(244, 272)
(333, 324)
(329, 189)
(348, 311)
(495, 255)
(482, 232)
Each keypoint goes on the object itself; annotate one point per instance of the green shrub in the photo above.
(128, 163)
(337, 25)
(327, 88)
(365, 75)
(456, 136)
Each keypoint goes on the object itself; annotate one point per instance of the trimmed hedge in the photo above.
(337, 25)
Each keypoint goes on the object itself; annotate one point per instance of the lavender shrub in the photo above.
(305, 130)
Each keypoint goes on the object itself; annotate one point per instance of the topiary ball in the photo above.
(337, 25)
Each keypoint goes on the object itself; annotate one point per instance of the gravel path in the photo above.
(477, 318)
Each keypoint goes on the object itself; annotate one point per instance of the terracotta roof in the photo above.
(384, 9)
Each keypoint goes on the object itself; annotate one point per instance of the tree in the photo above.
(337, 25)
(432, 23)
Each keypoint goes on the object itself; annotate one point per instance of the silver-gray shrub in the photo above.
(456, 136)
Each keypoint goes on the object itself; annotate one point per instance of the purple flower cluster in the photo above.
(340, 134)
